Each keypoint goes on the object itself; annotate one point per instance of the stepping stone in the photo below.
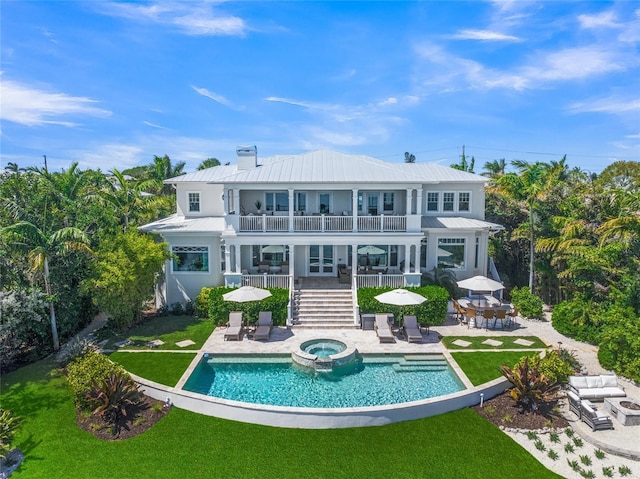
(461, 342)
(523, 342)
(155, 343)
(122, 344)
(492, 342)
(185, 343)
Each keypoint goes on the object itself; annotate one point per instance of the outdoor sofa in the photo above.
(264, 326)
(596, 387)
(588, 413)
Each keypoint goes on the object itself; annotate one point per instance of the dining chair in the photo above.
(489, 314)
(471, 315)
(501, 315)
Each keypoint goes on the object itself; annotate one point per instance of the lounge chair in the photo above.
(574, 403)
(411, 329)
(383, 329)
(234, 326)
(595, 419)
(265, 324)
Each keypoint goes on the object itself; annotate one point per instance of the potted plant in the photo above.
(258, 204)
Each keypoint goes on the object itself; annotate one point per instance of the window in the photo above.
(448, 200)
(464, 201)
(191, 258)
(360, 201)
(387, 202)
(194, 201)
(372, 204)
(423, 253)
(477, 252)
(277, 201)
(300, 201)
(324, 202)
(451, 253)
(433, 198)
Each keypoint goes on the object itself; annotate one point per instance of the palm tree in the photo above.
(529, 186)
(13, 167)
(626, 225)
(409, 158)
(495, 168)
(41, 248)
(208, 163)
(163, 170)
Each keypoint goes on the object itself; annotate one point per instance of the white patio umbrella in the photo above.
(480, 283)
(401, 297)
(370, 249)
(273, 248)
(246, 294)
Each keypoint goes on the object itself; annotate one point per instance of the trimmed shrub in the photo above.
(202, 302)
(219, 309)
(577, 319)
(84, 371)
(433, 311)
(529, 305)
(619, 347)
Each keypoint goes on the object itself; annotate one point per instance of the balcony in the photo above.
(322, 224)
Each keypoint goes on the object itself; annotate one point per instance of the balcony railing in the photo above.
(322, 223)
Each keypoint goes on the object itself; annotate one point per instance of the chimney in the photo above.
(247, 157)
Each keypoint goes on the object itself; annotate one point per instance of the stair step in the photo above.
(403, 363)
(425, 367)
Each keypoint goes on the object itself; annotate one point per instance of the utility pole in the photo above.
(45, 163)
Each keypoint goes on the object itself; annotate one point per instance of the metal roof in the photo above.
(457, 223)
(324, 166)
(179, 224)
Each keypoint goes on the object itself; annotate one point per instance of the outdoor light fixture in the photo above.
(481, 399)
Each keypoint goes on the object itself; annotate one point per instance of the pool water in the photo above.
(276, 380)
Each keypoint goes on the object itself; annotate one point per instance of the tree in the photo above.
(163, 169)
(43, 247)
(409, 158)
(125, 272)
(528, 186)
(464, 165)
(495, 168)
(208, 163)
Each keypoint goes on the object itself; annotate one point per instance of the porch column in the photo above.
(417, 256)
(290, 210)
(237, 249)
(236, 201)
(407, 258)
(354, 209)
(419, 202)
(227, 258)
(408, 208)
(354, 259)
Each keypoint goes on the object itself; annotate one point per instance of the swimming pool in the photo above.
(275, 380)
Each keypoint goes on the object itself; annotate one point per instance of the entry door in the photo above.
(321, 260)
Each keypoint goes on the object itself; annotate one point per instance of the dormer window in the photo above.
(193, 199)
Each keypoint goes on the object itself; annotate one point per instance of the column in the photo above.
(407, 259)
(227, 258)
(354, 210)
(419, 202)
(237, 248)
(236, 201)
(408, 208)
(354, 259)
(291, 205)
(417, 256)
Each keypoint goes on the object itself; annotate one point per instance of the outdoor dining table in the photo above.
(482, 303)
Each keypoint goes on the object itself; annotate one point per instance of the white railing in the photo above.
(379, 280)
(267, 280)
(322, 223)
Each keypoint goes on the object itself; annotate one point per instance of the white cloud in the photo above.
(30, 106)
(612, 105)
(484, 35)
(213, 96)
(193, 18)
(599, 20)
(153, 125)
(574, 63)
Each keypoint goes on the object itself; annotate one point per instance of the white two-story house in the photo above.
(365, 222)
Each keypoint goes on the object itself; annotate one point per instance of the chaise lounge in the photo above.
(383, 329)
(596, 387)
(234, 327)
(412, 329)
(265, 324)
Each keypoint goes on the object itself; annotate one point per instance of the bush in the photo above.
(219, 309)
(530, 386)
(73, 349)
(577, 319)
(8, 426)
(177, 309)
(552, 366)
(189, 308)
(433, 311)
(84, 371)
(202, 302)
(619, 348)
(529, 305)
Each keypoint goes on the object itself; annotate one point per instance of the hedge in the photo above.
(433, 311)
(219, 309)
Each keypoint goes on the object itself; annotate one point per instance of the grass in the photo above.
(507, 342)
(185, 444)
(163, 368)
(170, 329)
(483, 367)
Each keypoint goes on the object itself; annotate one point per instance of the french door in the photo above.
(321, 260)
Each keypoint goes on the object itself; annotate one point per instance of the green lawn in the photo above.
(507, 342)
(163, 368)
(170, 329)
(482, 367)
(186, 444)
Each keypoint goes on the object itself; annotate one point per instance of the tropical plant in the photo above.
(9, 423)
(409, 158)
(529, 305)
(208, 163)
(444, 277)
(530, 386)
(495, 168)
(112, 397)
(83, 371)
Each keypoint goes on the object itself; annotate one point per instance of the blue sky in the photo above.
(111, 84)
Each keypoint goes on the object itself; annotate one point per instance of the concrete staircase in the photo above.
(323, 309)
